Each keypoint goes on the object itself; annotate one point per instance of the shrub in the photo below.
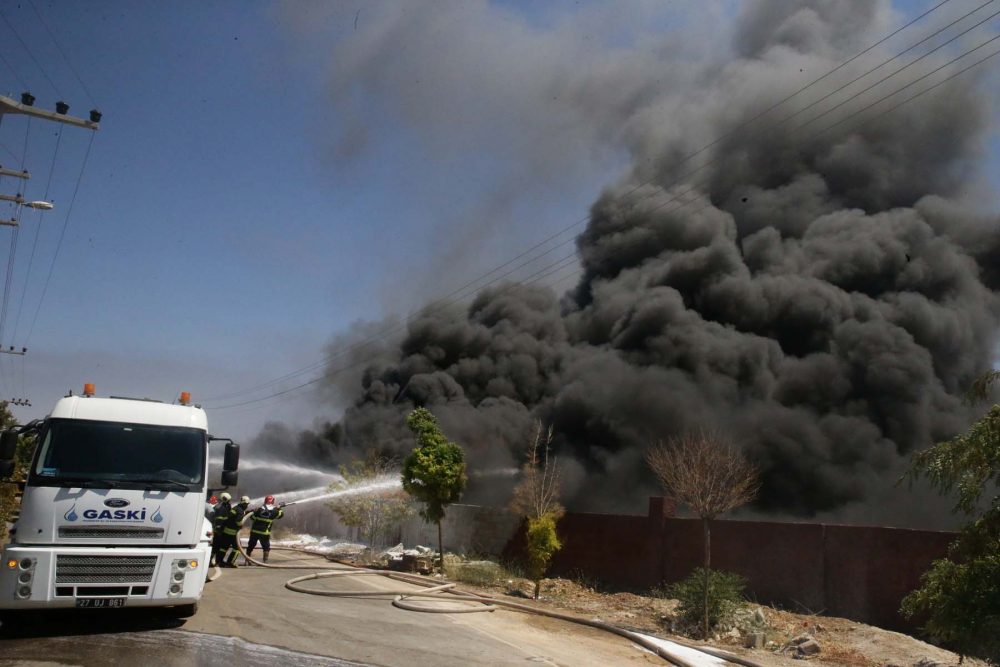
(725, 595)
(962, 604)
(482, 573)
(584, 579)
(542, 543)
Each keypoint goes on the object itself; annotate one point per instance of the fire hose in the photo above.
(489, 604)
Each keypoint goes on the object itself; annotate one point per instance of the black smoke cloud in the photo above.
(827, 308)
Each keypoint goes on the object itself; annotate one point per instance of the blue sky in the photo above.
(234, 216)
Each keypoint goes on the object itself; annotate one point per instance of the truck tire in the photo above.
(184, 610)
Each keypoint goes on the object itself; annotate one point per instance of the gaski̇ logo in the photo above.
(71, 514)
(118, 515)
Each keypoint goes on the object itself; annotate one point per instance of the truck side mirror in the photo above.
(6, 468)
(8, 445)
(230, 477)
(231, 462)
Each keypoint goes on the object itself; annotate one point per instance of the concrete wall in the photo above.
(466, 528)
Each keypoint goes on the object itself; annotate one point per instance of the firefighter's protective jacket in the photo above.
(264, 517)
(232, 519)
(219, 516)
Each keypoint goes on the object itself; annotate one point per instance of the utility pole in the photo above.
(26, 107)
(13, 222)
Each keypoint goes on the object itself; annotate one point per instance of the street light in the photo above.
(40, 205)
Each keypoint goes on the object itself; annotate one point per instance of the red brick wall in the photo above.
(861, 573)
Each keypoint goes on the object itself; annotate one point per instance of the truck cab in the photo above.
(113, 509)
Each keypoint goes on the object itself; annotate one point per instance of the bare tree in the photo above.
(537, 495)
(703, 471)
(367, 500)
(536, 498)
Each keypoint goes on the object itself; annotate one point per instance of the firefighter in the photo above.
(222, 511)
(210, 515)
(231, 525)
(263, 518)
(210, 508)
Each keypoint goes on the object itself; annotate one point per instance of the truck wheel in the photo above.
(185, 610)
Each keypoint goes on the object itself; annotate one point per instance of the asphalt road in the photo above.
(247, 617)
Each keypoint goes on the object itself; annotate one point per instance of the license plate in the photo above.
(100, 603)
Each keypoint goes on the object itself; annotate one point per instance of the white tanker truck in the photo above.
(113, 508)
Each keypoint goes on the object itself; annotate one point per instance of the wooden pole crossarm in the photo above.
(8, 105)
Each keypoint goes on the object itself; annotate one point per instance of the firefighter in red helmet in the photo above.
(263, 520)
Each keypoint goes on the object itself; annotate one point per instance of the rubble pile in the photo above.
(418, 559)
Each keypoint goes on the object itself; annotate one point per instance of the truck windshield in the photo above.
(91, 452)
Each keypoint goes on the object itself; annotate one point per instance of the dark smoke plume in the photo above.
(828, 308)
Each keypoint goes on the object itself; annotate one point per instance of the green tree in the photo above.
(536, 498)
(22, 460)
(960, 595)
(434, 472)
(367, 502)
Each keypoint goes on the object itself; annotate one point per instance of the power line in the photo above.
(38, 229)
(62, 53)
(9, 280)
(31, 55)
(907, 50)
(62, 234)
(14, 72)
(431, 306)
(510, 290)
(935, 49)
(9, 151)
(27, 133)
(521, 285)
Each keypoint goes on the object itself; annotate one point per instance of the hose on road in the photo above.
(489, 604)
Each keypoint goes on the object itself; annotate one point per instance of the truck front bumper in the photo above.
(56, 577)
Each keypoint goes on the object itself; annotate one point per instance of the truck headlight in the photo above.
(24, 577)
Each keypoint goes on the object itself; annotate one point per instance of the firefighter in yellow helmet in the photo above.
(232, 521)
(220, 513)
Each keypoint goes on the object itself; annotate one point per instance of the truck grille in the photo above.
(85, 532)
(104, 569)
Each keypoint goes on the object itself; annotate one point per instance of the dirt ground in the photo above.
(842, 642)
